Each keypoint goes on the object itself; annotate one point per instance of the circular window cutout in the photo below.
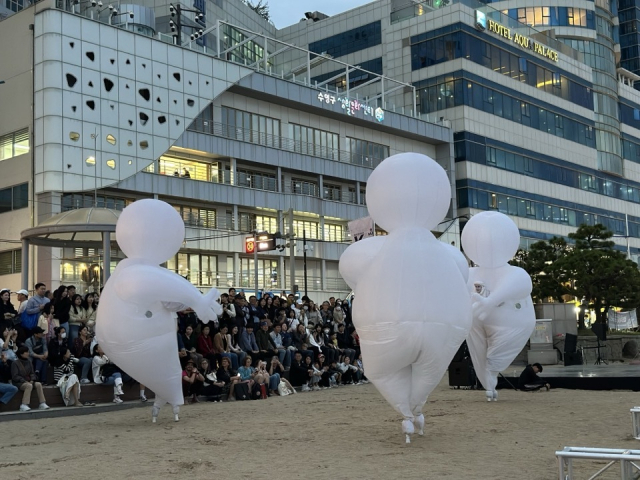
(130, 162)
(91, 161)
(144, 145)
(129, 143)
(111, 139)
(111, 163)
(74, 136)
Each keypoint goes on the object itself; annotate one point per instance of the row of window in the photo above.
(250, 127)
(315, 142)
(247, 53)
(460, 44)
(349, 41)
(73, 201)
(14, 144)
(456, 92)
(11, 262)
(14, 198)
(522, 207)
(555, 16)
(466, 150)
(357, 76)
(363, 152)
(199, 269)
(15, 5)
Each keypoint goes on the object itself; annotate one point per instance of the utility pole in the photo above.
(304, 256)
(292, 253)
(255, 260)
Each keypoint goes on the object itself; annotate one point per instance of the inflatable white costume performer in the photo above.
(136, 329)
(411, 307)
(503, 314)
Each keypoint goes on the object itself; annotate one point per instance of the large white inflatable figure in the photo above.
(136, 326)
(503, 314)
(411, 306)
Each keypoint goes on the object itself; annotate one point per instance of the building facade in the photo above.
(100, 112)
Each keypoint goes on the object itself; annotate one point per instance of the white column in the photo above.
(321, 185)
(279, 179)
(232, 171)
(236, 269)
(358, 193)
(321, 227)
(323, 274)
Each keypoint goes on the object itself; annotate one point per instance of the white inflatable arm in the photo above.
(460, 259)
(513, 286)
(146, 282)
(357, 256)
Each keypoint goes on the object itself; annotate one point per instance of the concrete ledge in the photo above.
(57, 412)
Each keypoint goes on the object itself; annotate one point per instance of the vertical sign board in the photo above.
(361, 228)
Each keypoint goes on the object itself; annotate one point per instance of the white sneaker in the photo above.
(119, 390)
(24, 408)
(85, 381)
(419, 422)
(495, 396)
(117, 400)
(143, 398)
(154, 419)
(316, 388)
(176, 418)
(43, 406)
(305, 388)
(489, 395)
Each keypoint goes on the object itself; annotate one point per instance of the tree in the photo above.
(540, 263)
(261, 8)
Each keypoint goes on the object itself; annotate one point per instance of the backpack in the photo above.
(259, 391)
(241, 391)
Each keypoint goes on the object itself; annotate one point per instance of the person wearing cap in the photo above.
(265, 344)
(38, 352)
(7, 311)
(23, 296)
(23, 377)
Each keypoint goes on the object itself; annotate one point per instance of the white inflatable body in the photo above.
(407, 338)
(134, 326)
(503, 316)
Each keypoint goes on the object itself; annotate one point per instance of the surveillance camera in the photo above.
(131, 15)
(193, 37)
(99, 4)
(94, 3)
(200, 32)
(115, 12)
(110, 7)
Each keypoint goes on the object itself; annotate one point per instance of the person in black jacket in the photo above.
(7, 391)
(7, 310)
(299, 373)
(529, 379)
(344, 342)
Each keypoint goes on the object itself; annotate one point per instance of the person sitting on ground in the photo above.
(7, 391)
(24, 377)
(529, 380)
(248, 374)
(47, 322)
(228, 376)
(359, 374)
(212, 388)
(38, 353)
(299, 373)
(107, 373)
(66, 380)
(347, 370)
(272, 381)
(82, 351)
(192, 382)
(276, 368)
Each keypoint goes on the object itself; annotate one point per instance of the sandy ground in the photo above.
(344, 433)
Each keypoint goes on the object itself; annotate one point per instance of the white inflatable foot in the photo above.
(176, 418)
(407, 439)
(489, 395)
(154, 419)
(495, 396)
(419, 422)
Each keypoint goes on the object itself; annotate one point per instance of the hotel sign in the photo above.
(484, 23)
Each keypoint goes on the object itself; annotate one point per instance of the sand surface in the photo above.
(342, 433)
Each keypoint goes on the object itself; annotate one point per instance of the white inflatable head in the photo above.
(490, 239)
(150, 229)
(408, 190)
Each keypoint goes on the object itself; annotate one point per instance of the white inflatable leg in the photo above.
(489, 395)
(419, 422)
(395, 388)
(407, 429)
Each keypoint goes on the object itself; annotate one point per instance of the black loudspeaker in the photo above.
(462, 353)
(570, 343)
(462, 374)
(600, 329)
(572, 358)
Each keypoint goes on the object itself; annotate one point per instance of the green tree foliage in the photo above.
(591, 269)
(261, 8)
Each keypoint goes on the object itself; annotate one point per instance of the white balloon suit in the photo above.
(134, 328)
(503, 314)
(411, 308)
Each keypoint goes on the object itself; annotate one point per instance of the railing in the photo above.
(282, 143)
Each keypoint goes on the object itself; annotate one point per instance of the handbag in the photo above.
(29, 320)
(63, 381)
(241, 391)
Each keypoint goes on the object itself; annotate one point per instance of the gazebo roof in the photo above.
(83, 227)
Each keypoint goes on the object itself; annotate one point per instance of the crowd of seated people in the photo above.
(253, 346)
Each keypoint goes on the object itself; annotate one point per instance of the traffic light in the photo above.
(263, 243)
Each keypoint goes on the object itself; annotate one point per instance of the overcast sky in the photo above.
(287, 12)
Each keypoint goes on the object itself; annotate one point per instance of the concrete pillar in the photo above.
(321, 225)
(232, 172)
(321, 185)
(358, 193)
(236, 269)
(281, 270)
(106, 253)
(24, 280)
(279, 179)
(323, 274)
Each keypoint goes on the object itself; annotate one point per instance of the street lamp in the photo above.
(93, 161)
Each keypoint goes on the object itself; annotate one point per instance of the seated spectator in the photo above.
(338, 317)
(301, 341)
(333, 344)
(221, 346)
(212, 388)
(192, 382)
(47, 322)
(283, 352)
(276, 368)
(205, 345)
(227, 376)
(66, 380)
(77, 315)
(248, 341)
(7, 391)
(271, 380)
(106, 373)
(38, 353)
(325, 313)
(344, 343)
(24, 377)
(336, 375)
(56, 345)
(9, 343)
(287, 338)
(190, 342)
(248, 374)
(233, 340)
(62, 303)
(91, 310)
(315, 375)
(347, 370)
(266, 346)
(8, 313)
(82, 351)
(299, 373)
(529, 380)
(360, 376)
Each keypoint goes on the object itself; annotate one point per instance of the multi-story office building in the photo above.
(99, 108)
(546, 128)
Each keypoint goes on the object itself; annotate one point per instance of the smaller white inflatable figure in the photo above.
(503, 314)
(411, 309)
(136, 324)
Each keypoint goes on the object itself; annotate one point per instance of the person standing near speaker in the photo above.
(529, 380)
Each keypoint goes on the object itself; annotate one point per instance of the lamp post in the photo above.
(177, 26)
